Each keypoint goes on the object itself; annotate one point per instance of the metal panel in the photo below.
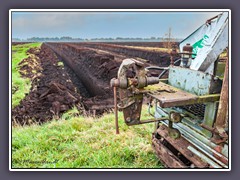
(193, 81)
(208, 42)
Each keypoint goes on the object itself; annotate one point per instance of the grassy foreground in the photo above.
(19, 84)
(83, 142)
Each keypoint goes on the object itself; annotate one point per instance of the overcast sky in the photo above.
(106, 24)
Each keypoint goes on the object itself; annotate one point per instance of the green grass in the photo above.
(22, 85)
(83, 142)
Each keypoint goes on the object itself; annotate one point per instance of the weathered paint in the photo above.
(209, 116)
(169, 96)
(208, 42)
(193, 81)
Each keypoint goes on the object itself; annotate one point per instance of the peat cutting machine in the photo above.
(190, 108)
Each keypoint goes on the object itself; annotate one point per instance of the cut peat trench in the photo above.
(88, 65)
(52, 90)
(94, 70)
(82, 80)
(75, 79)
(95, 64)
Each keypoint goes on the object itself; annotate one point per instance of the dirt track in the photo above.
(82, 80)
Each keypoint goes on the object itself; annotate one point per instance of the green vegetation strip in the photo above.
(83, 142)
(20, 85)
(156, 49)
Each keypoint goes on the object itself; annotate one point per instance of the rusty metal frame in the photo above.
(222, 114)
(180, 145)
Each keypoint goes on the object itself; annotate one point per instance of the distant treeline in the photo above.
(71, 39)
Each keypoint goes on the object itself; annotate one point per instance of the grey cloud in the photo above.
(46, 21)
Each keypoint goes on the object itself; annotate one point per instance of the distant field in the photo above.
(143, 44)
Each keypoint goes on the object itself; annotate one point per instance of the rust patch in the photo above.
(166, 156)
(180, 145)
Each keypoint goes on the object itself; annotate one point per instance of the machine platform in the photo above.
(169, 96)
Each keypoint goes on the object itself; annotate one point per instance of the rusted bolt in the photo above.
(114, 82)
(175, 117)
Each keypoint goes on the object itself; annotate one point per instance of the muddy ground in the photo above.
(73, 74)
(52, 91)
